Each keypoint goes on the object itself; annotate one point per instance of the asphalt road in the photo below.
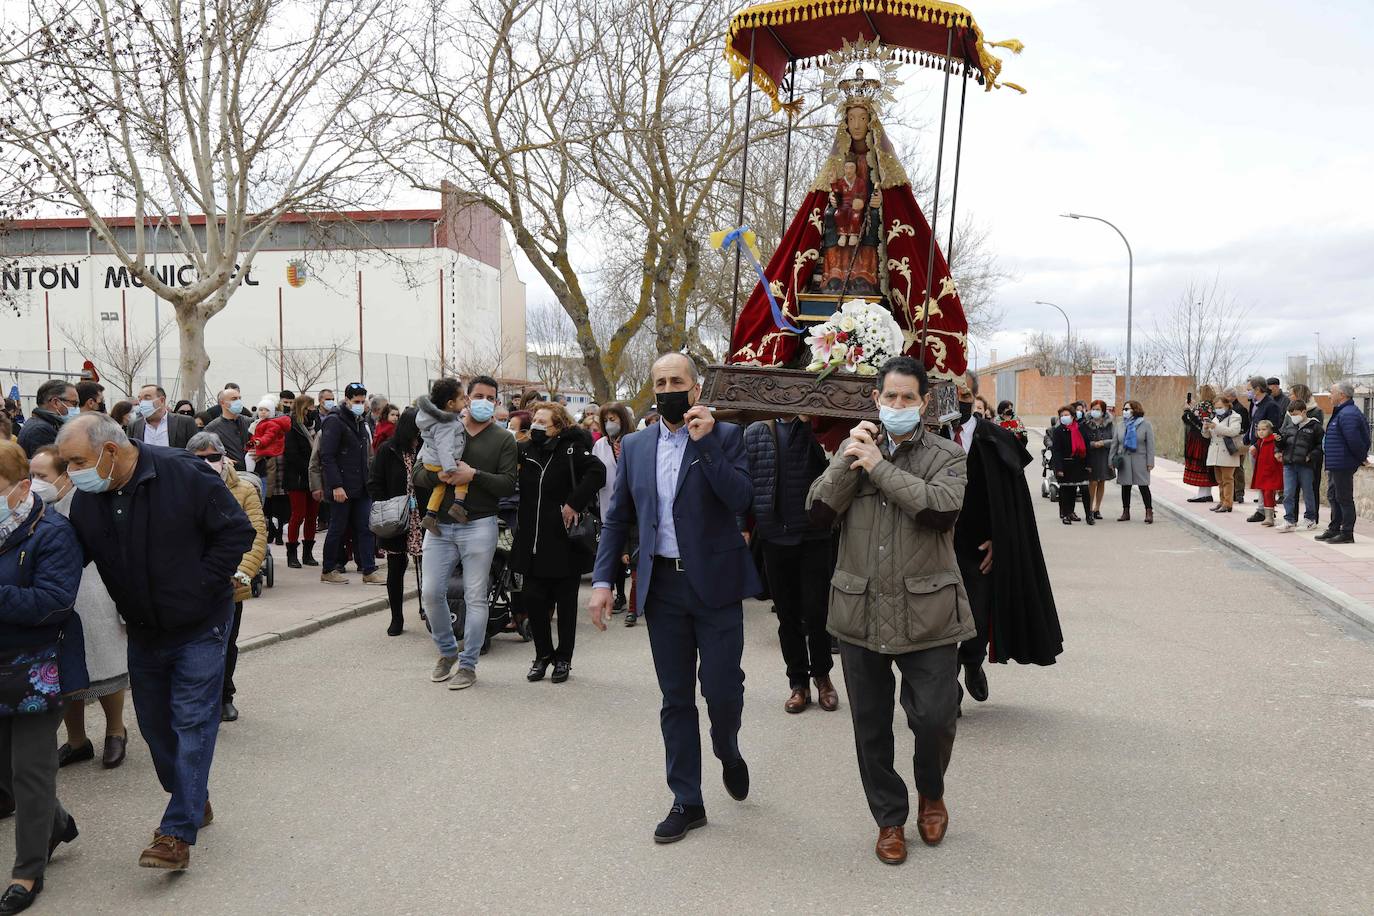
(1203, 745)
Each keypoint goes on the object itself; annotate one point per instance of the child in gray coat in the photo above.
(442, 440)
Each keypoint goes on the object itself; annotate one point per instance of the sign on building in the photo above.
(1104, 381)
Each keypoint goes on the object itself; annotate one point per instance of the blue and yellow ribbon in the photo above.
(744, 238)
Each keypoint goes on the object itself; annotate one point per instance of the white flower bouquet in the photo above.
(859, 338)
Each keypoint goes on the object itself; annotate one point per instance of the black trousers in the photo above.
(396, 564)
(28, 773)
(1068, 495)
(979, 588)
(799, 578)
(1145, 497)
(931, 701)
(231, 654)
(687, 641)
(539, 597)
(1340, 493)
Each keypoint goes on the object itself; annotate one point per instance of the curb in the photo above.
(1352, 609)
(320, 622)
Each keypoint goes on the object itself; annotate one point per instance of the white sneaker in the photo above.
(1310, 526)
(1287, 527)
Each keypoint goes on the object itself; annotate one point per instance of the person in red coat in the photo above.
(1268, 476)
(269, 437)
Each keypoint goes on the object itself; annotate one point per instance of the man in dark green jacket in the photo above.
(489, 469)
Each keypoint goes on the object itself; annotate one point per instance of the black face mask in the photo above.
(965, 411)
(673, 405)
(539, 436)
(312, 416)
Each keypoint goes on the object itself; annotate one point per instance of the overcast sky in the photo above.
(1228, 137)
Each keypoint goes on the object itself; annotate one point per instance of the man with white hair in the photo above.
(166, 536)
(232, 427)
(1347, 448)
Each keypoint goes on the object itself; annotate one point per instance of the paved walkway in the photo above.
(1202, 746)
(1342, 574)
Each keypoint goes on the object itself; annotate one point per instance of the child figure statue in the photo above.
(849, 196)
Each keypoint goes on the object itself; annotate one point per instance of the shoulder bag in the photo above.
(585, 531)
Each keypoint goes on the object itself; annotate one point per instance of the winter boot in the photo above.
(308, 554)
(1268, 519)
(292, 560)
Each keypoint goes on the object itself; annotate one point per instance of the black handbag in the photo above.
(585, 531)
(29, 681)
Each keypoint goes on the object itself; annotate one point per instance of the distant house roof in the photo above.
(1025, 361)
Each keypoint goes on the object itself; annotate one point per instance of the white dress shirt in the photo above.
(156, 434)
(966, 433)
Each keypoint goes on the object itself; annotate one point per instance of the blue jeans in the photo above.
(176, 690)
(473, 545)
(1297, 477)
(343, 516)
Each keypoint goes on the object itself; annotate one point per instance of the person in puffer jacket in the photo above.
(784, 460)
(1347, 448)
(1299, 448)
(897, 596)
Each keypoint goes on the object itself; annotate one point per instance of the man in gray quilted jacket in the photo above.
(897, 597)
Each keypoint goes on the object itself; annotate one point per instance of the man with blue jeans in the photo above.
(489, 469)
(166, 536)
(1299, 447)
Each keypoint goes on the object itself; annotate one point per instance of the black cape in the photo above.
(1023, 625)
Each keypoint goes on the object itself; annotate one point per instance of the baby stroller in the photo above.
(266, 573)
(1049, 486)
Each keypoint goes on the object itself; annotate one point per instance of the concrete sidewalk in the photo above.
(1342, 575)
(300, 603)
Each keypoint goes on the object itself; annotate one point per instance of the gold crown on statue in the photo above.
(870, 90)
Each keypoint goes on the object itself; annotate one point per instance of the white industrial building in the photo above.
(386, 297)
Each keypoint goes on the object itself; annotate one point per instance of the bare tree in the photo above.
(118, 357)
(1053, 355)
(211, 118)
(488, 352)
(550, 334)
(1203, 336)
(302, 367)
(1336, 363)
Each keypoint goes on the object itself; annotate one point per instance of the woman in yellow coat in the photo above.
(245, 490)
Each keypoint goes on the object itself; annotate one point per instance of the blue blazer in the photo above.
(713, 491)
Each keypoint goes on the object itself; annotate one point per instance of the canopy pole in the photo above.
(787, 158)
(743, 181)
(935, 204)
(958, 158)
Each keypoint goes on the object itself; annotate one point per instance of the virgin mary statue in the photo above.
(842, 246)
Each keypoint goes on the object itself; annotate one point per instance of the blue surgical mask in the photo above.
(1095, 414)
(899, 420)
(236, 407)
(330, 405)
(89, 480)
(481, 410)
(147, 408)
(357, 409)
(1065, 419)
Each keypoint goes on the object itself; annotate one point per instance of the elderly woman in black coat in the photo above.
(559, 479)
(388, 478)
(1069, 459)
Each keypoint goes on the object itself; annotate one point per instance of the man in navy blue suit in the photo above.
(685, 483)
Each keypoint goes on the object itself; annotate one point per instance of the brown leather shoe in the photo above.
(826, 695)
(932, 820)
(166, 852)
(209, 815)
(891, 848)
(799, 700)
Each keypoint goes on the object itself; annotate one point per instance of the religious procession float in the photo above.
(858, 277)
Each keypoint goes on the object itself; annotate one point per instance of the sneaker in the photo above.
(464, 679)
(334, 577)
(1287, 527)
(443, 669)
(374, 578)
(1311, 526)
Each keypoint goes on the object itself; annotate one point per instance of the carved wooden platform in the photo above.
(769, 390)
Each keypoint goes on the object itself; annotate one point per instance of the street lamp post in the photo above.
(1130, 288)
(1068, 343)
(157, 307)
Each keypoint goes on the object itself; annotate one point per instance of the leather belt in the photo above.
(674, 562)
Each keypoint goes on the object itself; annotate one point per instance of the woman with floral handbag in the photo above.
(40, 569)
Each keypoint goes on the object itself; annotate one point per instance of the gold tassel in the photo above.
(1014, 86)
(1011, 44)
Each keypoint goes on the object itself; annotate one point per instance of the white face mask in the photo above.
(43, 490)
(1297, 417)
(1128, 413)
